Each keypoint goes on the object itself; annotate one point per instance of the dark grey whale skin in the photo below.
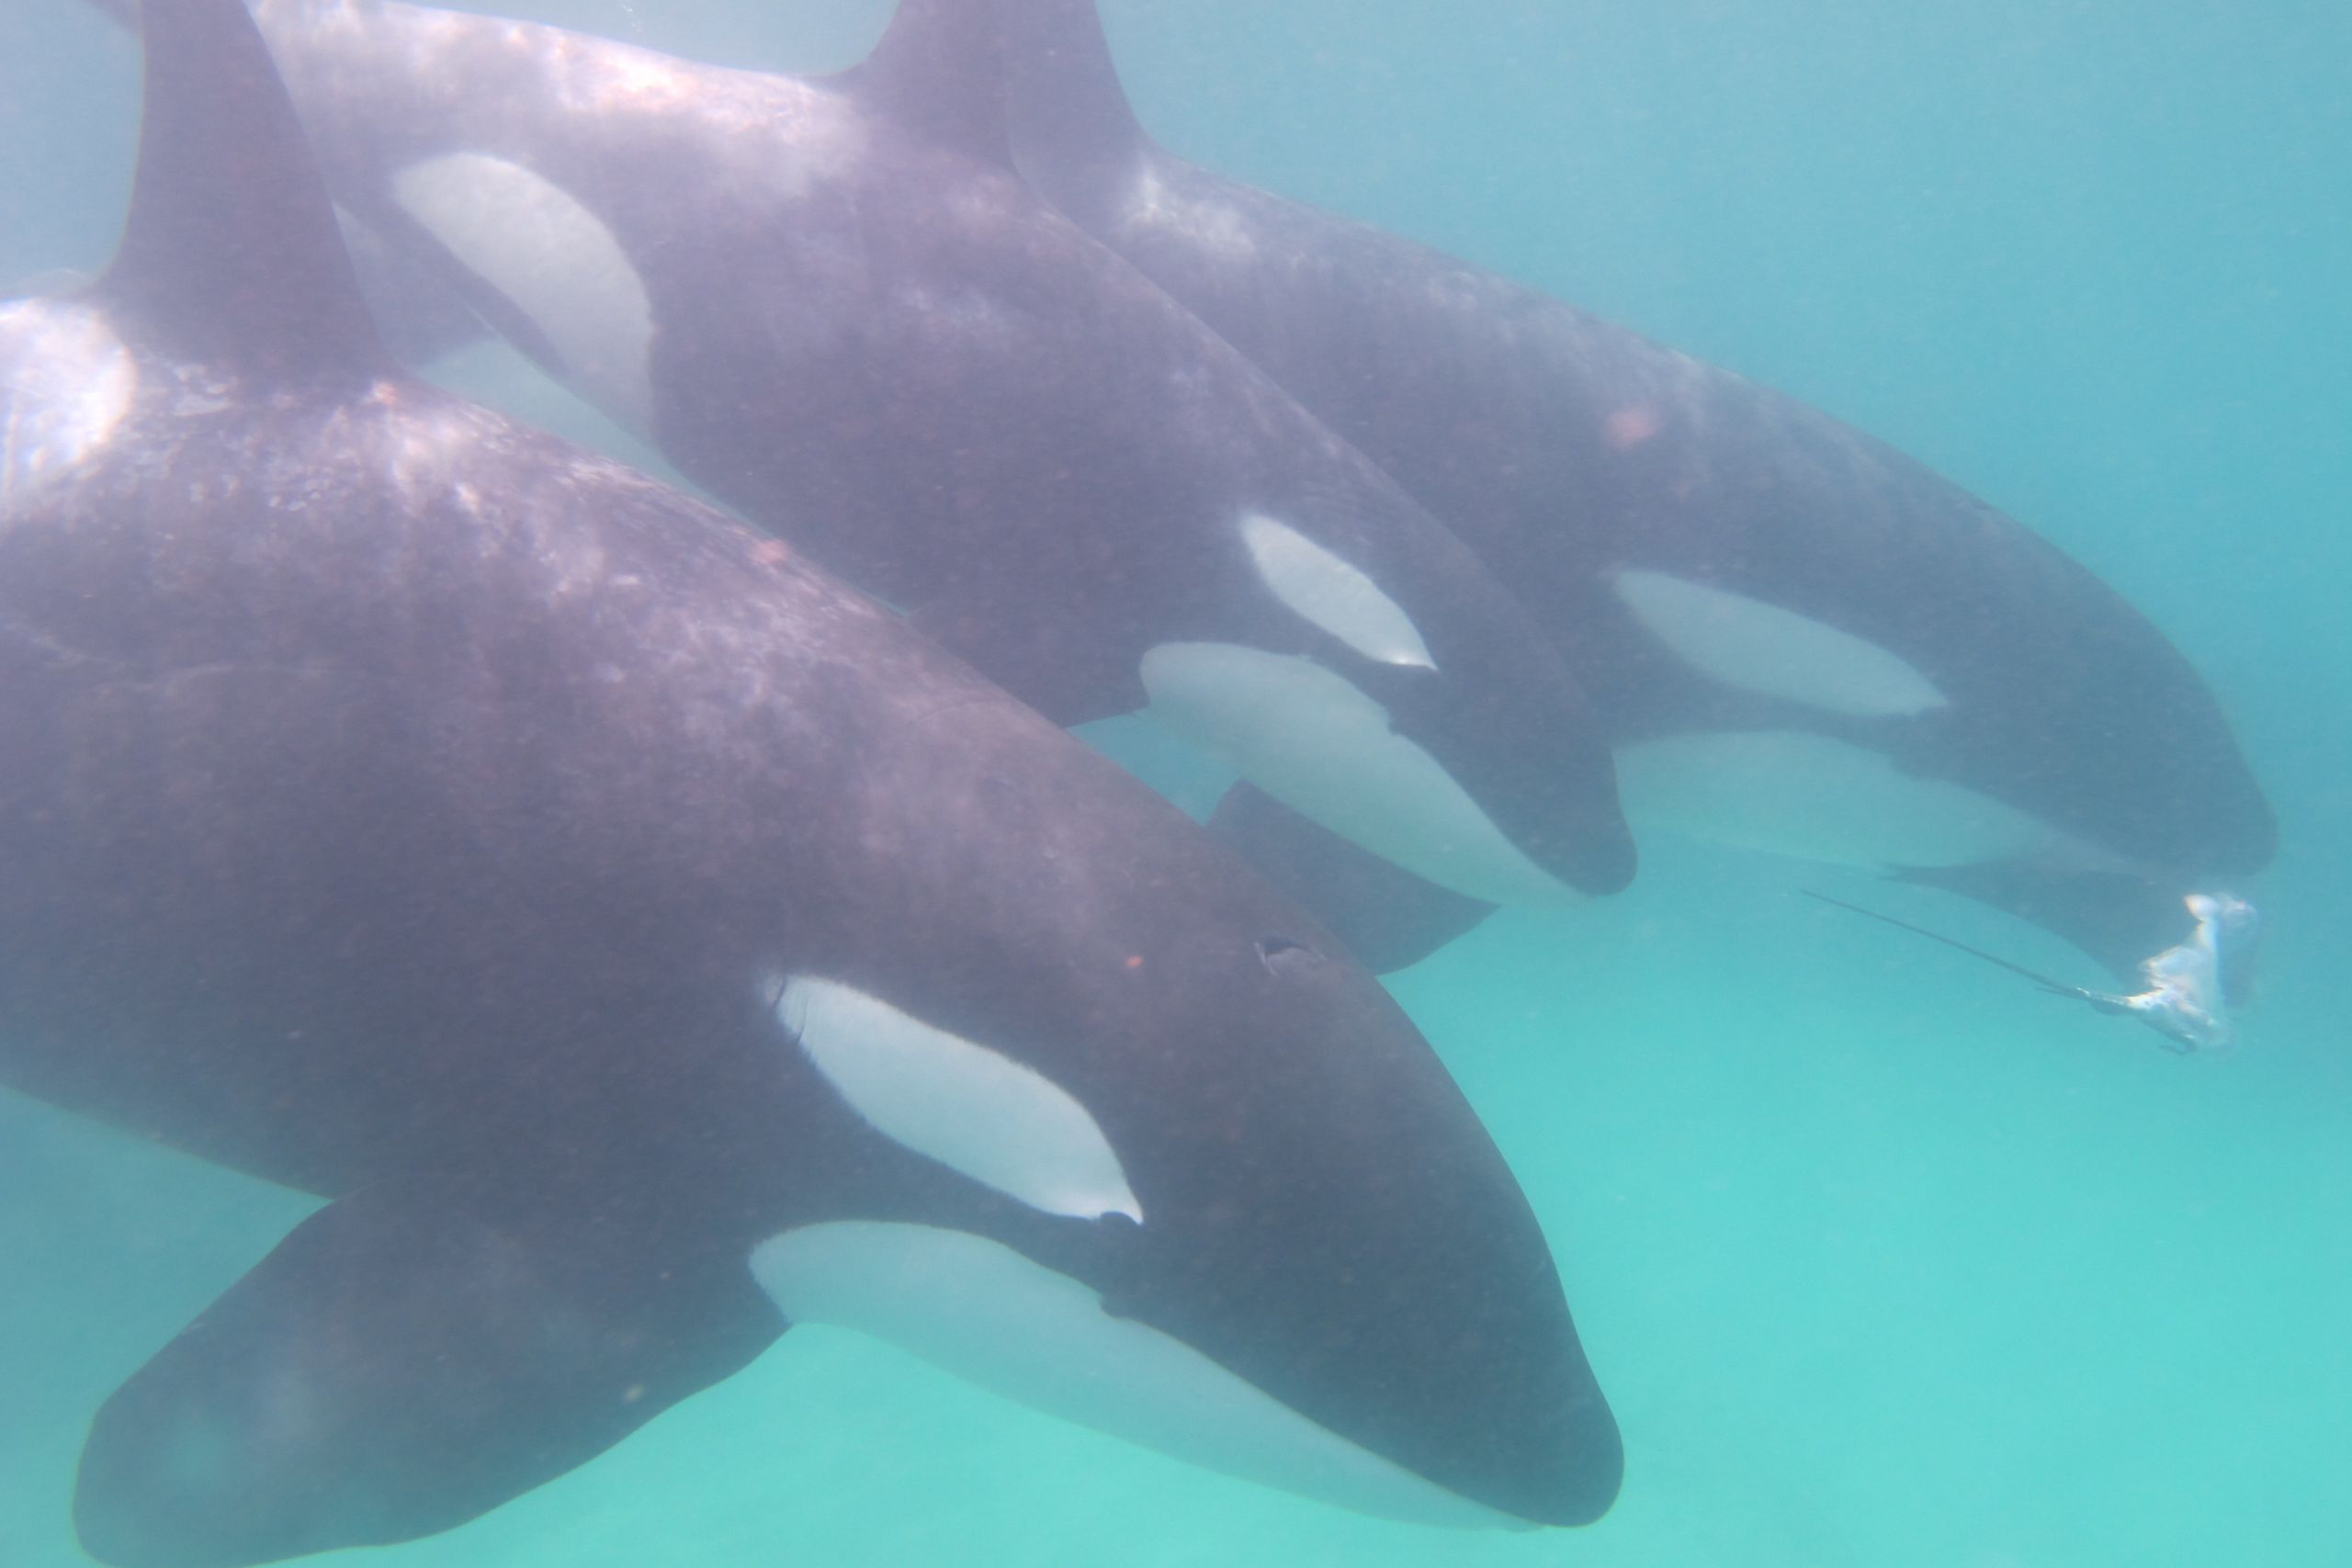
(400, 804)
(1561, 448)
(871, 337)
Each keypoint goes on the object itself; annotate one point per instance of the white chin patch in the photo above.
(1792, 792)
(66, 380)
(1318, 744)
(984, 1313)
(1331, 594)
(556, 260)
(1755, 647)
(973, 1109)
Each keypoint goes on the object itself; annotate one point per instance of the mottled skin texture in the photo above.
(389, 795)
(401, 804)
(1561, 448)
(890, 351)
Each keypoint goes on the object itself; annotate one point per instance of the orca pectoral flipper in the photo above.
(396, 1366)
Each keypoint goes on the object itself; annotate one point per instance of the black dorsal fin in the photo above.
(1074, 134)
(937, 72)
(231, 252)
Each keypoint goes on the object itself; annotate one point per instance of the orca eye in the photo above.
(1279, 953)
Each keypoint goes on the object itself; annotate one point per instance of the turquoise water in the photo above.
(1882, 1260)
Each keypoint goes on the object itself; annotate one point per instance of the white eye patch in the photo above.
(1755, 647)
(538, 246)
(1331, 594)
(975, 1111)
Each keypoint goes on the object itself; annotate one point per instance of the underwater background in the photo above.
(1883, 1258)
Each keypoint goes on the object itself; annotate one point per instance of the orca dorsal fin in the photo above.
(1075, 136)
(231, 252)
(937, 71)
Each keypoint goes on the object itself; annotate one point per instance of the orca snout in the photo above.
(1394, 693)
(1495, 708)
(1441, 1374)
(1234, 1211)
(1351, 1245)
(1514, 732)
(1501, 793)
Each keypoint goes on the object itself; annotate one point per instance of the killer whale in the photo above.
(1799, 640)
(644, 942)
(831, 304)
